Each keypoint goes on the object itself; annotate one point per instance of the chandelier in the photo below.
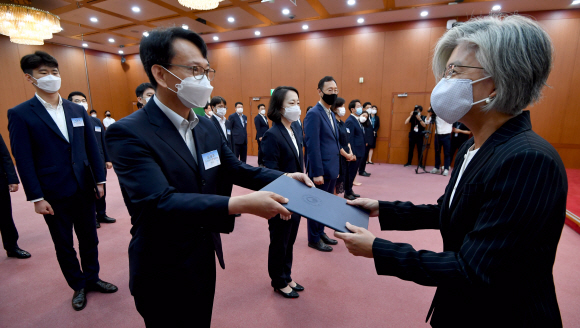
(27, 25)
(200, 4)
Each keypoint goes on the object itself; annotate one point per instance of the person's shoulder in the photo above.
(24, 105)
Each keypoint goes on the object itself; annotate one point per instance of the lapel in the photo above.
(288, 139)
(326, 119)
(167, 132)
(39, 110)
(300, 142)
(199, 135)
(68, 114)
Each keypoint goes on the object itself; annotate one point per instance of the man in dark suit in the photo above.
(218, 106)
(61, 170)
(79, 98)
(356, 139)
(323, 151)
(8, 183)
(261, 124)
(170, 163)
(239, 123)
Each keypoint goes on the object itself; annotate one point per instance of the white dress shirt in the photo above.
(57, 115)
(242, 119)
(329, 114)
(183, 126)
(222, 122)
(265, 119)
(442, 126)
(467, 158)
(293, 137)
(108, 121)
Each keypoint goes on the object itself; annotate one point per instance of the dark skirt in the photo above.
(372, 142)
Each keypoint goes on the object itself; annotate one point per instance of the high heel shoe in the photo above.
(292, 294)
(298, 287)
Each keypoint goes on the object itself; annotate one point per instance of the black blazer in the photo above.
(279, 151)
(7, 172)
(377, 125)
(100, 136)
(50, 166)
(172, 198)
(500, 235)
(261, 126)
(356, 136)
(239, 132)
(228, 137)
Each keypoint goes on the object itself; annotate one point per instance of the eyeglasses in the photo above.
(198, 72)
(450, 71)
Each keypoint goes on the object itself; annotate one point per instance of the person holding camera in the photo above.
(442, 139)
(418, 125)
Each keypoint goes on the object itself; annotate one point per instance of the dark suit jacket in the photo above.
(7, 172)
(239, 132)
(322, 147)
(228, 137)
(356, 136)
(377, 125)
(500, 235)
(100, 136)
(173, 200)
(261, 126)
(279, 150)
(49, 166)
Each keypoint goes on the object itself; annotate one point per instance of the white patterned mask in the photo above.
(451, 99)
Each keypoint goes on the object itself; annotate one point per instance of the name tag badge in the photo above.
(229, 132)
(97, 129)
(416, 128)
(347, 130)
(211, 159)
(77, 122)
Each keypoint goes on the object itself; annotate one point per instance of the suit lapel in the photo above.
(68, 119)
(323, 113)
(199, 135)
(39, 110)
(288, 139)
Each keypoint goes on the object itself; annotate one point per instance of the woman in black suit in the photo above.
(376, 124)
(282, 147)
(369, 137)
(346, 154)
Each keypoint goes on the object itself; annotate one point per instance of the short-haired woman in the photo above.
(376, 124)
(282, 146)
(346, 154)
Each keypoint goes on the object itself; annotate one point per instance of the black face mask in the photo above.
(108, 115)
(329, 99)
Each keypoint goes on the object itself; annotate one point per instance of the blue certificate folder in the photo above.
(318, 205)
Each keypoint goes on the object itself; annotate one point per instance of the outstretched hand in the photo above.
(370, 205)
(358, 243)
(261, 203)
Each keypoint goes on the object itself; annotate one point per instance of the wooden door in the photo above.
(254, 102)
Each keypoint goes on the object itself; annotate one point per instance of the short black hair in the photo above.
(92, 111)
(157, 47)
(277, 102)
(419, 108)
(238, 103)
(374, 106)
(338, 103)
(352, 104)
(207, 105)
(216, 101)
(324, 80)
(367, 103)
(76, 93)
(139, 105)
(260, 105)
(308, 108)
(35, 60)
(142, 87)
(107, 111)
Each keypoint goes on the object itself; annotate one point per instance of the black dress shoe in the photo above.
(292, 294)
(371, 163)
(102, 287)
(365, 174)
(406, 165)
(355, 195)
(321, 246)
(106, 219)
(18, 253)
(349, 197)
(327, 240)
(79, 300)
(237, 215)
(98, 224)
(298, 287)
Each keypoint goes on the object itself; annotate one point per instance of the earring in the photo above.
(488, 100)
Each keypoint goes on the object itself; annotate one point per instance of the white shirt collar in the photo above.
(220, 119)
(47, 105)
(326, 109)
(175, 118)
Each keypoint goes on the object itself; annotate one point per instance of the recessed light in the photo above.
(145, 33)
(111, 40)
(215, 38)
(285, 11)
(304, 27)
(185, 27)
(94, 19)
(257, 33)
(85, 45)
(231, 19)
(360, 20)
(575, 2)
(136, 9)
(121, 51)
(351, 2)
(496, 8)
(424, 13)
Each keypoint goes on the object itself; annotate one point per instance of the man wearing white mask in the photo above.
(93, 113)
(144, 92)
(240, 131)
(261, 124)
(58, 161)
(170, 165)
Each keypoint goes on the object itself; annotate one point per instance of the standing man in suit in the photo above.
(323, 149)
(170, 163)
(8, 183)
(356, 137)
(262, 125)
(144, 92)
(218, 106)
(240, 132)
(58, 160)
(79, 98)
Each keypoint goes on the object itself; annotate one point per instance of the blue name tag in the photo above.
(97, 129)
(77, 122)
(229, 131)
(347, 130)
(211, 159)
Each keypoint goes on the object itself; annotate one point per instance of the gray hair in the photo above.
(514, 50)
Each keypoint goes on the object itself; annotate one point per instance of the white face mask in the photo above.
(240, 110)
(49, 83)
(85, 105)
(192, 92)
(292, 113)
(221, 111)
(209, 114)
(341, 111)
(363, 119)
(451, 99)
(94, 115)
(263, 112)
(146, 99)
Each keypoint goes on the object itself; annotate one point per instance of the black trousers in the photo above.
(280, 253)
(78, 212)
(363, 163)
(315, 229)
(443, 140)
(7, 227)
(260, 154)
(241, 151)
(352, 169)
(101, 204)
(415, 140)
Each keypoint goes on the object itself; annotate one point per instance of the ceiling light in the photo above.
(231, 19)
(185, 27)
(304, 27)
(575, 2)
(285, 11)
(257, 33)
(94, 19)
(215, 38)
(496, 8)
(136, 9)
(360, 20)
(111, 40)
(351, 2)
(27, 25)
(145, 33)
(85, 45)
(200, 4)
(121, 51)
(424, 13)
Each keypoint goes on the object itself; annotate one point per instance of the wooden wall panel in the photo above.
(571, 118)
(228, 80)
(288, 60)
(120, 93)
(135, 73)
(100, 87)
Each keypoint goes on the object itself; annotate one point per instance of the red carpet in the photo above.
(573, 204)
(341, 290)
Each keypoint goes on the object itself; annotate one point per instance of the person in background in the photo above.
(367, 106)
(8, 183)
(442, 139)
(208, 111)
(346, 154)
(369, 135)
(93, 113)
(58, 160)
(376, 124)
(282, 146)
(78, 97)
(240, 132)
(144, 92)
(357, 144)
(308, 108)
(261, 125)
(108, 120)
(416, 134)
(459, 135)
(323, 147)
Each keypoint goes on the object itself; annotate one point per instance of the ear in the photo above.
(159, 75)
(29, 78)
